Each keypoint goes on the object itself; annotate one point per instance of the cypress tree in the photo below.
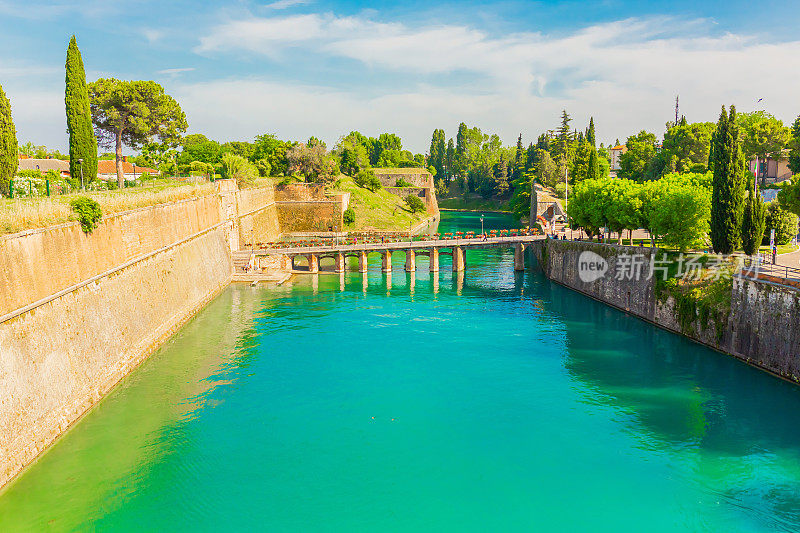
(82, 142)
(590, 135)
(753, 223)
(593, 166)
(8, 145)
(727, 200)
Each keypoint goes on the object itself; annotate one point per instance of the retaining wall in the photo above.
(762, 327)
(81, 311)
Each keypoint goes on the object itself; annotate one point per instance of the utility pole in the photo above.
(566, 198)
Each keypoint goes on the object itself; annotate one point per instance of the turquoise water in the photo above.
(490, 402)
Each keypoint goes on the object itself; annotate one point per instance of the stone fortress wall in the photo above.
(78, 312)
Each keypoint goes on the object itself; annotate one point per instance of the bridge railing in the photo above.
(371, 238)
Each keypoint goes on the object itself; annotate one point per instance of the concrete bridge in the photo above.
(433, 248)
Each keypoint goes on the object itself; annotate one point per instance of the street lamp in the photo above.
(481, 225)
(80, 161)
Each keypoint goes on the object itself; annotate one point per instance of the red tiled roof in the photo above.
(107, 166)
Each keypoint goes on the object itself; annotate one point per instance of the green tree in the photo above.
(727, 204)
(501, 177)
(197, 147)
(521, 200)
(681, 215)
(561, 152)
(794, 144)
(641, 149)
(133, 113)
(547, 171)
(415, 204)
(269, 147)
(8, 145)
(438, 152)
(763, 136)
(82, 142)
(353, 156)
(789, 197)
(312, 161)
(590, 135)
(366, 178)
(238, 168)
(450, 159)
(783, 222)
(753, 222)
(686, 145)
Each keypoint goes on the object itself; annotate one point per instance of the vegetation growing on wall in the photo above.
(88, 212)
(702, 297)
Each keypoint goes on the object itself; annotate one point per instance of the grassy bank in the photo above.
(378, 210)
(20, 214)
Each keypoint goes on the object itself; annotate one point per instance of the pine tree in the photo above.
(564, 138)
(593, 166)
(82, 142)
(727, 201)
(501, 177)
(754, 222)
(8, 145)
(590, 135)
(519, 160)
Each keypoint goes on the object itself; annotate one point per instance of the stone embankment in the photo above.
(762, 326)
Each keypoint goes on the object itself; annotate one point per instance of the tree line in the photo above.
(705, 199)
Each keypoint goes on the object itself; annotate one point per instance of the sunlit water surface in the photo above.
(492, 402)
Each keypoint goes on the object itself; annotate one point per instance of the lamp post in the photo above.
(83, 187)
(481, 225)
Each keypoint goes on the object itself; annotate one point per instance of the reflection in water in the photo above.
(486, 401)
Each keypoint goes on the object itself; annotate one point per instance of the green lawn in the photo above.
(378, 210)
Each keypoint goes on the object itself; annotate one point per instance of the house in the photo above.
(43, 165)
(615, 152)
(774, 171)
(107, 170)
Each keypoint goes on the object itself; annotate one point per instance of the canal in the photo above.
(494, 402)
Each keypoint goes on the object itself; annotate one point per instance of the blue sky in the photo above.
(303, 67)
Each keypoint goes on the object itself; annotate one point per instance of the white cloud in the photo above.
(175, 71)
(625, 73)
(286, 4)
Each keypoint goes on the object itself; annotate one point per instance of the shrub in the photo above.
(415, 204)
(402, 183)
(349, 216)
(366, 178)
(238, 168)
(88, 211)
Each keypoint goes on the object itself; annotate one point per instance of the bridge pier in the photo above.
(459, 259)
(519, 257)
(339, 262)
(313, 263)
(362, 261)
(386, 265)
(411, 261)
(434, 260)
